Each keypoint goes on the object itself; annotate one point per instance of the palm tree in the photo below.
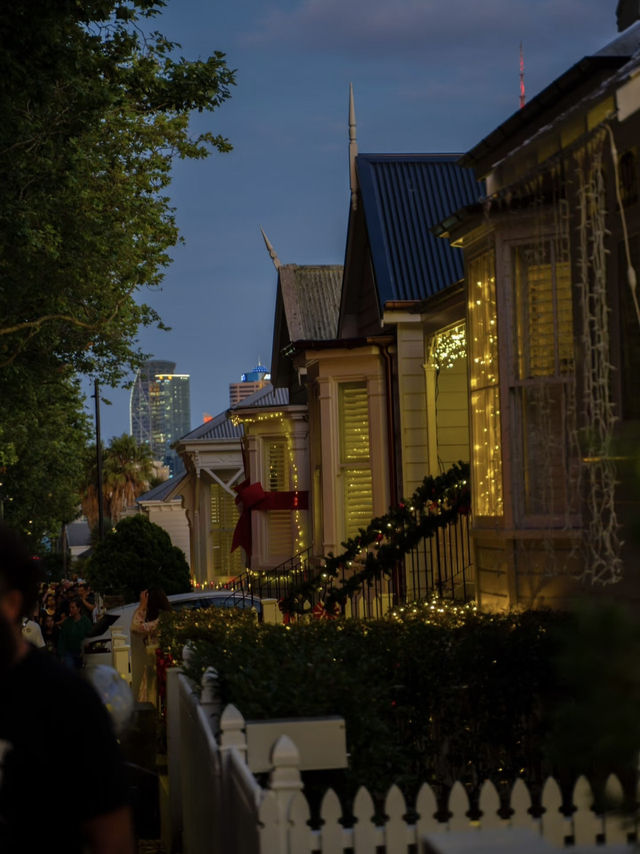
(126, 472)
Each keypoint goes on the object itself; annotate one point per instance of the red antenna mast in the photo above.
(522, 98)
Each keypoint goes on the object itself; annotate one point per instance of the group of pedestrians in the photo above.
(49, 710)
(62, 618)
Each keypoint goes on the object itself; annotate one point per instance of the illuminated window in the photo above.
(485, 396)
(544, 313)
(355, 457)
(224, 516)
(280, 529)
(543, 379)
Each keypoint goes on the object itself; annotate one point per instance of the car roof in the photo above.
(194, 594)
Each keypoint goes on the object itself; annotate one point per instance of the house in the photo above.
(275, 497)
(162, 505)
(553, 331)
(212, 455)
(385, 389)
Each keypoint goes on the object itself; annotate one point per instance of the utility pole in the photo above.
(96, 395)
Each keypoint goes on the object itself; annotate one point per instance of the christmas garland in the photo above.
(435, 504)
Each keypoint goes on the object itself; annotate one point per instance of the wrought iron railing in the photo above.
(438, 566)
(274, 583)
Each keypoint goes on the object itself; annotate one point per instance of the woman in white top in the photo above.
(144, 642)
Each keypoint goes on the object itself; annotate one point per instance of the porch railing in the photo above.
(273, 583)
(439, 566)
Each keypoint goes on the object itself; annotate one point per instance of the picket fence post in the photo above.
(210, 698)
(232, 732)
(284, 782)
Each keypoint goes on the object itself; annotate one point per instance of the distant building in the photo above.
(251, 382)
(160, 410)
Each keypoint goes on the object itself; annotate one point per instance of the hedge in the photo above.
(433, 694)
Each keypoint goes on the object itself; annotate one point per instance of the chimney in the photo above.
(627, 13)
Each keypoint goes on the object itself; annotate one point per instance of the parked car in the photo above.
(96, 647)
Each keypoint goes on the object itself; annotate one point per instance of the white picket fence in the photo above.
(216, 805)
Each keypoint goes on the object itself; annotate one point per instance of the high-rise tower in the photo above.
(160, 410)
(251, 382)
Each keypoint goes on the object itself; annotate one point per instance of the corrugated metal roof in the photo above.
(267, 396)
(311, 297)
(219, 427)
(160, 492)
(403, 196)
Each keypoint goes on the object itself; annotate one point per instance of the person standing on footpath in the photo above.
(72, 632)
(87, 809)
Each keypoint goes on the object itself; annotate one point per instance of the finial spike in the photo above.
(271, 250)
(522, 96)
(353, 150)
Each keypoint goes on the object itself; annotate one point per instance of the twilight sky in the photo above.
(428, 76)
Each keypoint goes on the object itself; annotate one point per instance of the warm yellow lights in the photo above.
(237, 419)
(448, 346)
(485, 396)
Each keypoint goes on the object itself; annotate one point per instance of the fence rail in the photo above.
(224, 811)
(438, 566)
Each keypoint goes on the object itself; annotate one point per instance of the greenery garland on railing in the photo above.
(436, 503)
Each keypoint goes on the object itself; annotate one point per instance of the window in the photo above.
(543, 385)
(544, 312)
(224, 516)
(485, 395)
(355, 457)
(280, 525)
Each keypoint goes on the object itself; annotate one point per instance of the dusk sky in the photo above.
(428, 77)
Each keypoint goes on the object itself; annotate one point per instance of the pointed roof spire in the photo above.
(353, 151)
(271, 250)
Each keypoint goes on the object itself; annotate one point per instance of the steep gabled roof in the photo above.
(307, 307)
(219, 427)
(311, 300)
(403, 196)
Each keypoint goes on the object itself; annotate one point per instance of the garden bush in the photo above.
(453, 695)
(437, 693)
(135, 555)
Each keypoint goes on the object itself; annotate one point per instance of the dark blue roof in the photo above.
(403, 196)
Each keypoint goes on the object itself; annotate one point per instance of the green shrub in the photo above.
(137, 555)
(438, 698)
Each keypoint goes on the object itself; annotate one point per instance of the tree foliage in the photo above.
(137, 555)
(126, 473)
(43, 420)
(94, 110)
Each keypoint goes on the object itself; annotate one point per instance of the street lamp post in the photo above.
(96, 395)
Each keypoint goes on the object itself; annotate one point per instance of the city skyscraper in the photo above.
(160, 410)
(251, 382)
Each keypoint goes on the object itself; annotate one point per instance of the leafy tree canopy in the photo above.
(94, 110)
(137, 555)
(42, 417)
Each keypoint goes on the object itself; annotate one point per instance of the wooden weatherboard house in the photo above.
(551, 260)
